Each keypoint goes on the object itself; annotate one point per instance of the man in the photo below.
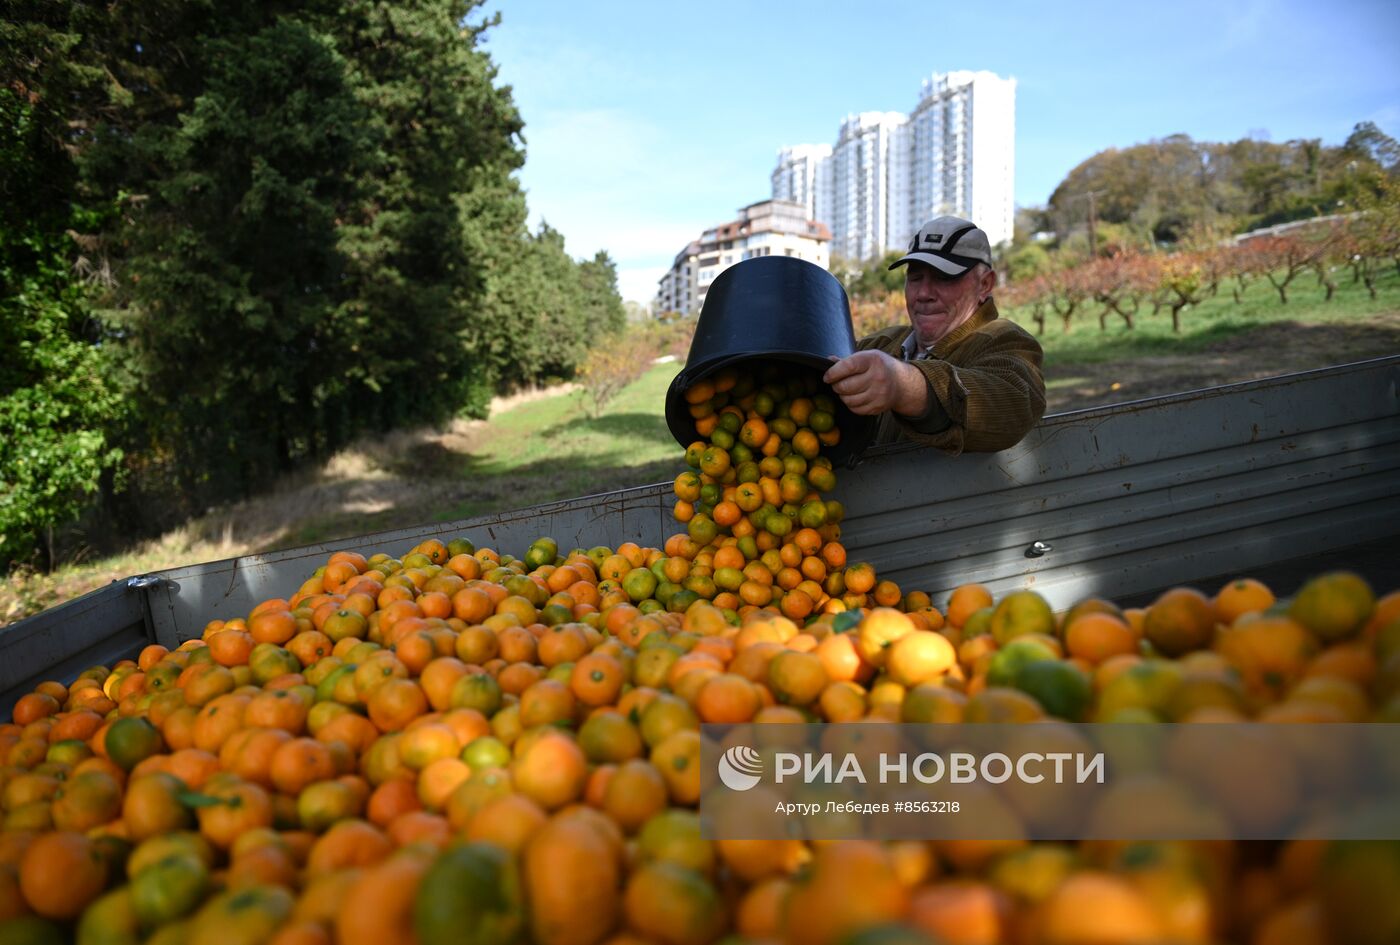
(957, 377)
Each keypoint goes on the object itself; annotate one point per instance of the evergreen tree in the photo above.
(58, 404)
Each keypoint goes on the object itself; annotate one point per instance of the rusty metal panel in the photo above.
(102, 626)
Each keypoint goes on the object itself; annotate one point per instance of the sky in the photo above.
(646, 122)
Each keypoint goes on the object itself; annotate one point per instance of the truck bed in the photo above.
(1278, 478)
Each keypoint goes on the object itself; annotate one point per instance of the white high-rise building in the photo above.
(803, 176)
(889, 172)
(860, 183)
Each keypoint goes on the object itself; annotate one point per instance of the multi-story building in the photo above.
(675, 292)
(804, 176)
(889, 172)
(860, 183)
(766, 228)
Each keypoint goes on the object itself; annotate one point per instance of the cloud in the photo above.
(638, 284)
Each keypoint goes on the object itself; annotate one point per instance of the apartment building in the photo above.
(766, 228)
(803, 176)
(888, 171)
(675, 291)
(867, 150)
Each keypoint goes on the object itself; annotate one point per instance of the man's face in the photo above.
(936, 303)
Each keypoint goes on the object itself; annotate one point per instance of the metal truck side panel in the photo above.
(1128, 499)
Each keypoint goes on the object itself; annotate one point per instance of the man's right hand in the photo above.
(871, 383)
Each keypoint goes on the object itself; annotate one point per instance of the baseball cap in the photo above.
(949, 244)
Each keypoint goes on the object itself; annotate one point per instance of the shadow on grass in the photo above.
(1137, 343)
(1342, 341)
(648, 426)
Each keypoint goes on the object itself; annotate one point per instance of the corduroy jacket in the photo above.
(986, 390)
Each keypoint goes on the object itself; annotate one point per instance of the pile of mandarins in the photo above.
(464, 746)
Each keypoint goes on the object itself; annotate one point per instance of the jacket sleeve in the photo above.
(993, 394)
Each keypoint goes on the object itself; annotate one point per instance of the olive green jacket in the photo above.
(986, 390)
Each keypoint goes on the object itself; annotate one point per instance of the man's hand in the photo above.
(872, 382)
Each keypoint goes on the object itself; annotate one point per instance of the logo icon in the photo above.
(740, 768)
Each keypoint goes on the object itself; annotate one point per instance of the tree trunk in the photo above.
(1117, 308)
(1176, 317)
(1324, 278)
(1066, 315)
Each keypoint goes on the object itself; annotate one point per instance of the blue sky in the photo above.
(645, 122)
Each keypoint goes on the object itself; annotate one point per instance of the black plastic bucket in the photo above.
(772, 308)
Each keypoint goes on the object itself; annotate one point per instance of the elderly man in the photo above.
(957, 377)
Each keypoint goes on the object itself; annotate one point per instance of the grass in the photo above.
(632, 427)
(1212, 321)
(545, 449)
(549, 447)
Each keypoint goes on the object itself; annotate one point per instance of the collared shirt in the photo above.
(986, 390)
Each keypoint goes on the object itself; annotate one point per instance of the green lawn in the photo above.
(631, 430)
(553, 448)
(1210, 322)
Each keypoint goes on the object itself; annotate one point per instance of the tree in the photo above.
(1282, 259)
(875, 278)
(1034, 293)
(1069, 288)
(1367, 142)
(611, 366)
(235, 271)
(1121, 283)
(601, 308)
(57, 405)
(304, 219)
(1182, 284)
(1026, 262)
(59, 400)
(1167, 189)
(441, 216)
(311, 239)
(1373, 235)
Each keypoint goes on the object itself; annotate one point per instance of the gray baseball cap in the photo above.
(949, 244)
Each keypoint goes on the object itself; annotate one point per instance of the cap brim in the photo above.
(945, 266)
